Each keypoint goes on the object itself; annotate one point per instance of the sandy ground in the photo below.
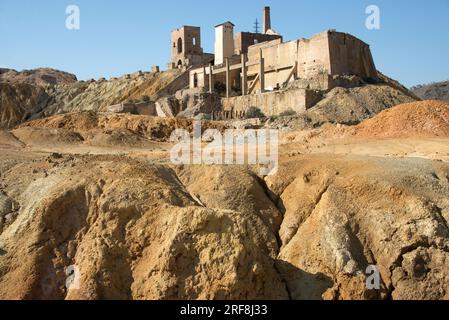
(139, 227)
(291, 144)
(428, 148)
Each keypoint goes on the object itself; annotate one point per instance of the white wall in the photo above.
(224, 42)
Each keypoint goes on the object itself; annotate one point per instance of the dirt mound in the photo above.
(343, 214)
(7, 139)
(114, 138)
(348, 106)
(117, 128)
(144, 125)
(245, 186)
(418, 119)
(18, 101)
(79, 121)
(45, 137)
(351, 106)
(433, 91)
(23, 100)
(37, 77)
(131, 231)
(98, 95)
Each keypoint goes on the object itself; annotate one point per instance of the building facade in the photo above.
(186, 50)
(263, 64)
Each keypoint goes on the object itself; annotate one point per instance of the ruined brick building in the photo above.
(254, 69)
(186, 48)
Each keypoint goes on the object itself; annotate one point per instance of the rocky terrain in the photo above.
(18, 101)
(38, 77)
(349, 106)
(363, 180)
(407, 120)
(29, 99)
(98, 192)
(433, 91)
(26, 96)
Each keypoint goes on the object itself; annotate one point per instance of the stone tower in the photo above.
(186, 48)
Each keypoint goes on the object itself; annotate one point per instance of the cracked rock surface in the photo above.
(133, 231)
(136, 230)
(356, 212)
(91, 207)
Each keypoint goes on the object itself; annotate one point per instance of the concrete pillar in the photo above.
(295, 72)
(262, 72)
(244, 76)
(211, 79)
(228, 80)
(204, 76)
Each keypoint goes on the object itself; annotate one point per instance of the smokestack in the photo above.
(266, 19)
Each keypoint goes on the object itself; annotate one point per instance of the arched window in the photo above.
(179, 45)
(195, 80)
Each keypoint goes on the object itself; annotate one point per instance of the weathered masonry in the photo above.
(254, 69)
(186, 48)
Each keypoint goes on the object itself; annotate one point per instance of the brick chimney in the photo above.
(266, 19)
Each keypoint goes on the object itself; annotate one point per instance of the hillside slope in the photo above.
(37, 77)
(97, 95)
(135, 230)
(22, 101)
(433, 91)
(97, 193)
(349, 105)
(429, 118)
(18, 101)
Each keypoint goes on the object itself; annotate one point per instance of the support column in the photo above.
(211, 79)
(262, 72)
(244, 76)
(204, 77)
(228, 82)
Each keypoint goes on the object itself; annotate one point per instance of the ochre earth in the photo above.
(99, 192)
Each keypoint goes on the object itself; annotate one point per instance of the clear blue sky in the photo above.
(118, 37)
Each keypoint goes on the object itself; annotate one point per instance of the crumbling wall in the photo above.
(243, 40)
(273, 103)
(350, 56)
(313, 56)
(186, 48)
(279, 58)
(326, 60)
(195, 102)
(326, 53)
(199, 78)
(142, 108)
